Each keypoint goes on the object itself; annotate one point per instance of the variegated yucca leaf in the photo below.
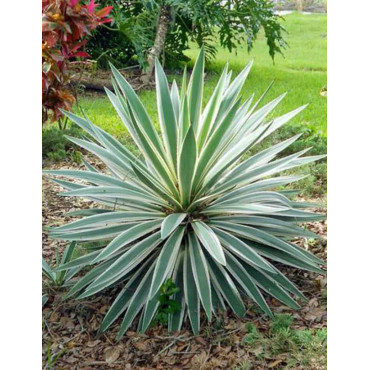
(192, 207)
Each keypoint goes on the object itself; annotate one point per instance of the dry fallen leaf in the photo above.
(274, 363)
(141, 346)
(181, 347)
(112, 354)
(71, 360)
(131, 333)
(200, 340)
(93, 344)
(199, 360)
(315, 314)
(170, 360)
(70, 344)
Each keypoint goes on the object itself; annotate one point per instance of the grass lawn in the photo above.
(301, 72)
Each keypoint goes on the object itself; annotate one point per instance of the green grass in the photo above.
(303, 348)
(301, 72)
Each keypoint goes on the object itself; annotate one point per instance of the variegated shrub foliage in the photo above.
(191, 207)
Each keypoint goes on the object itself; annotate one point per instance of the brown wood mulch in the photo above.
(70, 327)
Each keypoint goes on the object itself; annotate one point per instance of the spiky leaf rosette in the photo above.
(191, 208)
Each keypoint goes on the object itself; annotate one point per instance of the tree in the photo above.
(231, 22)
(154, 52)
(164, 28)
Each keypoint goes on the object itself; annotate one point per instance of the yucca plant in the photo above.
(191, 207)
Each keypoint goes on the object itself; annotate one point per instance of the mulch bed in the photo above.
(70, 327)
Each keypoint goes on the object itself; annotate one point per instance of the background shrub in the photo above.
(56, 147)
(65, 24)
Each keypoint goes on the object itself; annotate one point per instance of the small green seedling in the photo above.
(51, 359)
(167, 305)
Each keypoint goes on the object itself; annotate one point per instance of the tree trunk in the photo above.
(158, 47)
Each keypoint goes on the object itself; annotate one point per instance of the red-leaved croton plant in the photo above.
(65, 24)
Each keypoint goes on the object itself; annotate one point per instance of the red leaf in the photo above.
(77, 46)
(81, 54)
(104, 12)
(91, 6)
(106, 20)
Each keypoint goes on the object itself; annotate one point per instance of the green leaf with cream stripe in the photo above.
(195, 91)
(126, 238)
(187, 164)
(166, 260)
(209, 240)
(129, 260)
(200, 272)
(190, 292)
(243, 250)
(167, 118)
(170, 223)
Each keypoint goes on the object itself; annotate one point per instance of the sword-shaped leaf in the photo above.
(137, 301)
(191, 295)
(127, 237)
(170, 223)
(167, 118)
(209, 240)
(176, 319)
(187, 163)
(201, 274)
(195, 91)
(166, 260)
